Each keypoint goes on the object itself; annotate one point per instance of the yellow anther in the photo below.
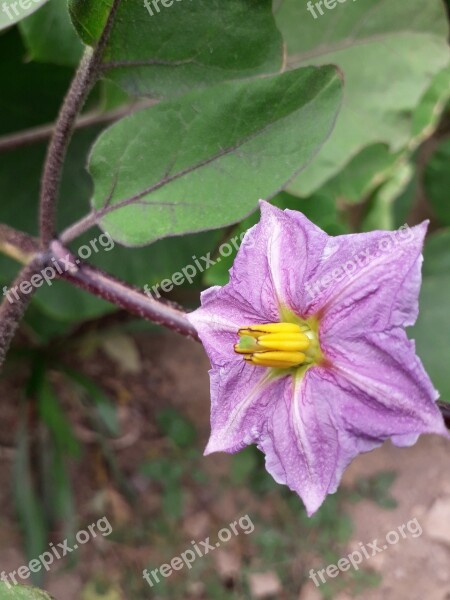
(257, 330)
(276, 345)
(284, 341)
(280, 360)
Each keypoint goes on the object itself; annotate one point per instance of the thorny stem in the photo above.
(82, 83)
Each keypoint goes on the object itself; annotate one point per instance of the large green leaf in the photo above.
(50, 37)
(437, 182)
(184, 44)
(433, 324)
(389, 53)
(13, 11)
(20, 592)
(202, 161)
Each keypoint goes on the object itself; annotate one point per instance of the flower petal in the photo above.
(241, 395)
(389, 378)
(304, 443)
(368, 281)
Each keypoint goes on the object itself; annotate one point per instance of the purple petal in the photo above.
(241, 395)
(306, 448)
(368, 281)
(316, 429)
(383, 371)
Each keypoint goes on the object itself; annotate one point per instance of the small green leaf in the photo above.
(171, 169)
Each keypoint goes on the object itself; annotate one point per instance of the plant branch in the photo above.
(82, 83)
(34, 135)
(11, 313)
(17, 245)
(121, 294)
(78, 228)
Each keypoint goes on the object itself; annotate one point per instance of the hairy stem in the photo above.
(78, 228)
(121, 294)
(82, 83)
(13, 310)
(17, 245)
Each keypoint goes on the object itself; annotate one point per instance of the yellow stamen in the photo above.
(276, 345)
(281, 360)
(284, 341)
(257, 330)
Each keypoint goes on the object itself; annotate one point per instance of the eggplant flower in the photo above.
(310, 360)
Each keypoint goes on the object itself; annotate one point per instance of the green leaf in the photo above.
(20, 592)
(389, 53)
(431, 329)
(13, 11)
(429, 112)
(437, 182)
(358, 178)
(203, 161)
(183, 45)
(50, 37)
(380, 212)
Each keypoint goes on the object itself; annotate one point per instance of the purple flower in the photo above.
(310, 360)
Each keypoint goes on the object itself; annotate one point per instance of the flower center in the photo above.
(278, 345)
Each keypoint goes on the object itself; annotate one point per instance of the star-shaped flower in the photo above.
(310, 360)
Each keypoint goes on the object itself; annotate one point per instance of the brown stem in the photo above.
(17, 242)
(13, 308)
(121, 294)
(82, 83)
